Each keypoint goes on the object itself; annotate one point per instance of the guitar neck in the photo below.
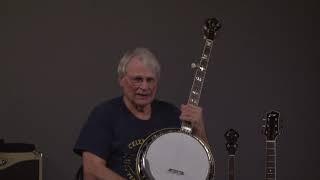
(270, 171)
(231, 169)
(199, 77)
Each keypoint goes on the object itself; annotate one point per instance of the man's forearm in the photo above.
(95, 168)
(101, 173)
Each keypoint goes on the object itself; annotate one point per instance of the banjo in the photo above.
(175, 153)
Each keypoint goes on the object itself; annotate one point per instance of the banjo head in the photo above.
(174, 155)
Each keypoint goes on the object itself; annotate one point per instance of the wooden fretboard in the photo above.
(270, 171)
(200, 74)
(231, 170)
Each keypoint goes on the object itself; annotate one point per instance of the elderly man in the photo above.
(110, 139)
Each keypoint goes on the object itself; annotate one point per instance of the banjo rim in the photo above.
(143, 149)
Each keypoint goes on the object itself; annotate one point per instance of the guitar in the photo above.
(271, 131)
(231, 136)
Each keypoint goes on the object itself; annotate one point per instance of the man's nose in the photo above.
(144, 84)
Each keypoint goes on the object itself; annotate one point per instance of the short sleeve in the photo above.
(96, 134)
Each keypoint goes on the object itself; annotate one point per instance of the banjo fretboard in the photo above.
(201, 69)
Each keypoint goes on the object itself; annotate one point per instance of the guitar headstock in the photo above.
(232, 137)
(272, 125)
(210, 28)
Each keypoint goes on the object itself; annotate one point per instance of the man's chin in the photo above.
(143, 101)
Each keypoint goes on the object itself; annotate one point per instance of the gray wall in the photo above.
(58, 59)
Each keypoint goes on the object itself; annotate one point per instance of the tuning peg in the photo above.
(205, 37)
(194, 65)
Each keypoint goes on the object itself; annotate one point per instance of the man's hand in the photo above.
(194, 115)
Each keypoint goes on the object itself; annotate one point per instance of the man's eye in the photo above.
(137, 79)
(150, 80)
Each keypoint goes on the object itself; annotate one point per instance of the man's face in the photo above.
(139, 84)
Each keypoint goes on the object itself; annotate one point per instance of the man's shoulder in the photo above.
(108, 104)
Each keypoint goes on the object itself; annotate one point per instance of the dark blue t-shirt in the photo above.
(113, 133)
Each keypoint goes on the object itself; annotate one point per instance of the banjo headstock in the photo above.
(232, 137)
(210, 28)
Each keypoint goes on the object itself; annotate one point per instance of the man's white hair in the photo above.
(144, 55)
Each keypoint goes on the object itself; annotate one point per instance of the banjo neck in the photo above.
(198, 80)
(201, 69)
(210, 29)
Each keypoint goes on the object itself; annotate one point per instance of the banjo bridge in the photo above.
(174, 171)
